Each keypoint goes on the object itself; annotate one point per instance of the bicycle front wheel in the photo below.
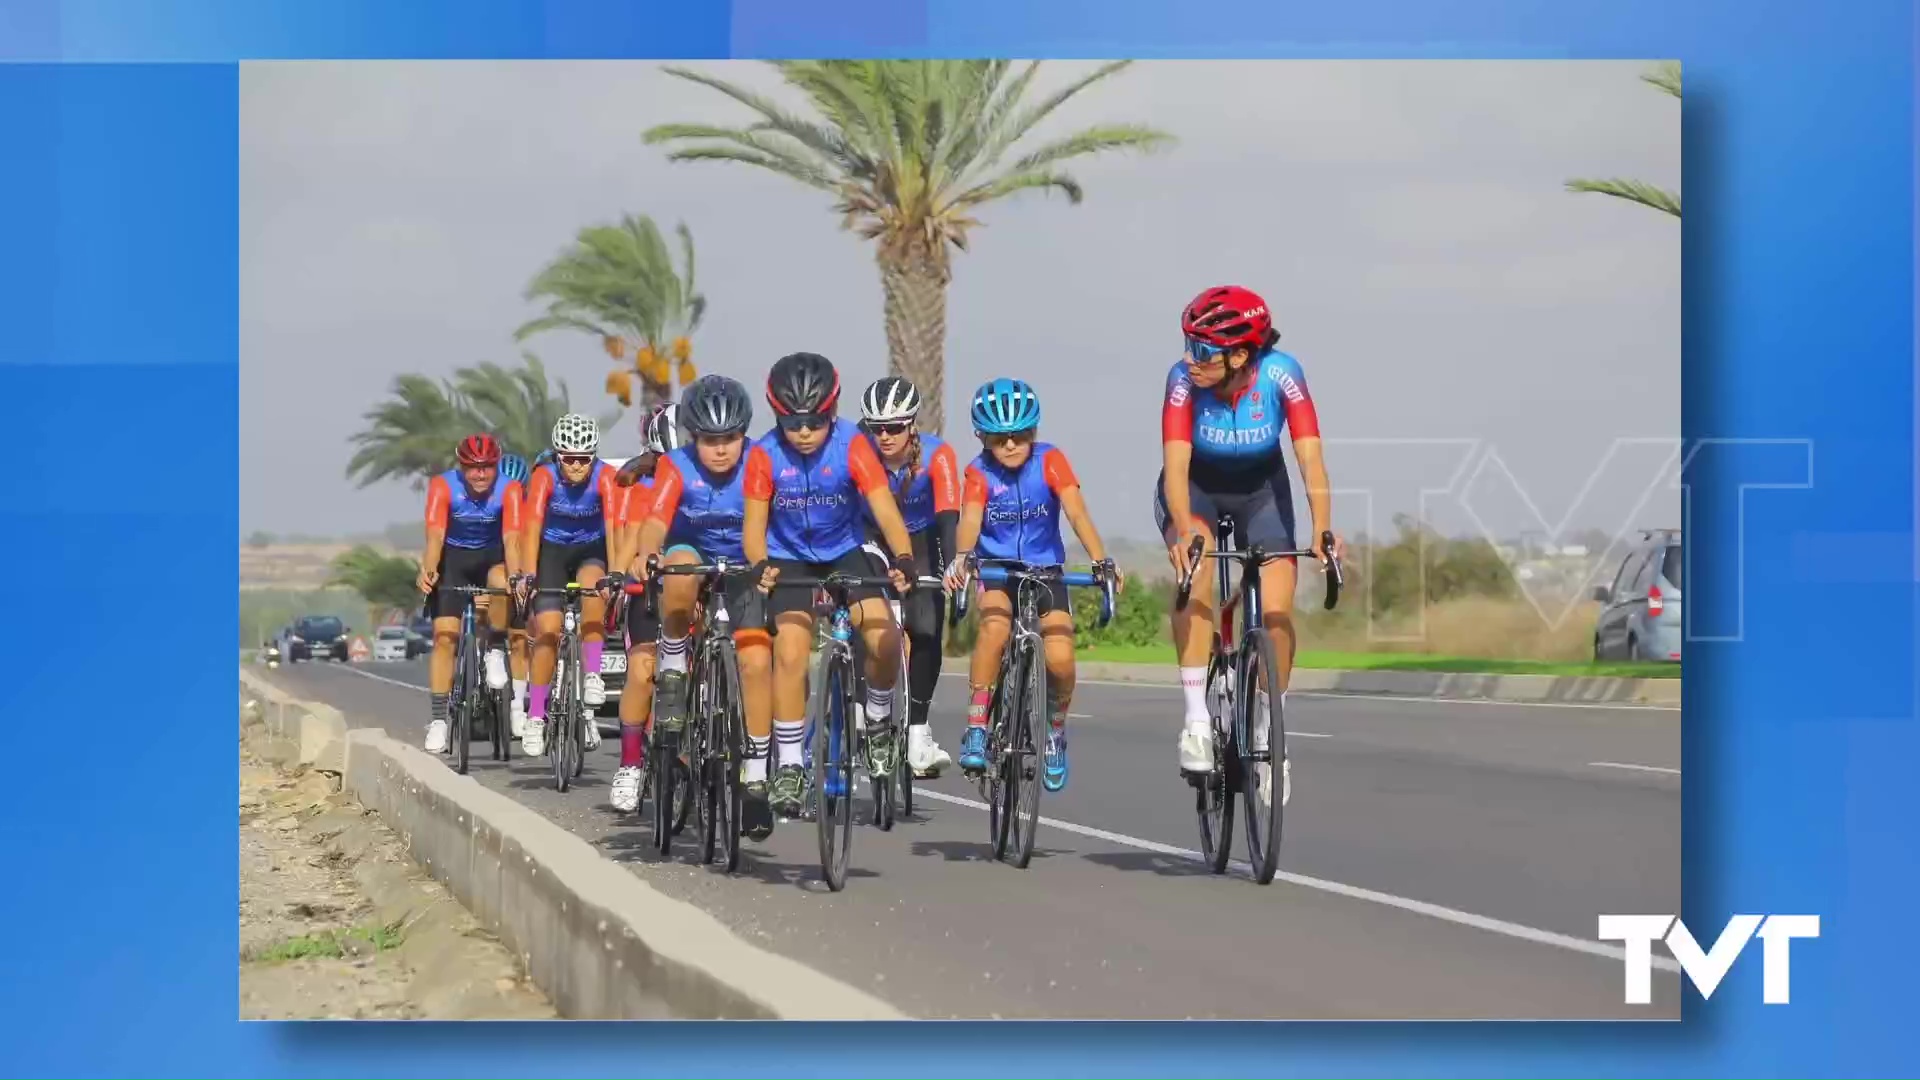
(1029, 733)
(665, 749)
(1213, 791)
(462, 712)
(833, 768)
(1263, 748)
(728, 726)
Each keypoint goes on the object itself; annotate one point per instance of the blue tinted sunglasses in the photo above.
(804, 421)
(1203, 354)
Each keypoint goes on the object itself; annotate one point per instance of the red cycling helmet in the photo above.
(478, 450)
(1228, 317)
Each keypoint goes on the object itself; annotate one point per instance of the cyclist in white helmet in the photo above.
(924, 473)
(574, 510)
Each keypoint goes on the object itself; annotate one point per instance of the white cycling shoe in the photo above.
(496, 669)
(437, 737)
(593, 689)
(518, 717)
(626, 789)
(924, 756)
(533, 738)
(590, 734)
(1196, 747)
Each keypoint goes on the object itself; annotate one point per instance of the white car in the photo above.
(390, 644)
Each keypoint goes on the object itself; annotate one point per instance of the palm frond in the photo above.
(785, 166)
(1012, 182)
(1635, 191)
(1666, 76)
(1015, 128)
(1093, 140)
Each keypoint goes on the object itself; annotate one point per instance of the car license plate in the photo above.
(612, 661)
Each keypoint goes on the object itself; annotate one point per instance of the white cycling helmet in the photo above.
(576, 434)
(890, 400)
(664, 434)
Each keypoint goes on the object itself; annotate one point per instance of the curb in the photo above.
(1455, 685)
(601, 942)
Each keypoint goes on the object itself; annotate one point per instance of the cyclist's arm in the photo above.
(613, 515)
(1066, 488)
(656, 518)
(973, 513)
(1303, 422)
(539, 490)
(943, 470)
(1176, 449)
(439, 504)
(757, 487)
(511, 503)
(870, 477)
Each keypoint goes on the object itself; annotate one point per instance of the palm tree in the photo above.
(412, 435)
(385, 582)
(618, 283)
(1665, 76)
(909, 149)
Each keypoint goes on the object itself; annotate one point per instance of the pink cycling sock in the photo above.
(590, 655)
(630, 740)
(537, 700)
(977, 708)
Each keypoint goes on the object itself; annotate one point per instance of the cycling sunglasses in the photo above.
(574, 459)
(804, 421)
(1201, 354)
(893, 427)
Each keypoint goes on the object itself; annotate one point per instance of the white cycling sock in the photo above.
(879, 703)
(520, 690)
(671, 654)
(789, 742)
(1193, 683)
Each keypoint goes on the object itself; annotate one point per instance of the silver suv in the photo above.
(1640, 609)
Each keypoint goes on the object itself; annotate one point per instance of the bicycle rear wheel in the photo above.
(1029, 733)
(1213, 792)
(833, 769)
(502, 721)
(902, 768)
(1260, 758)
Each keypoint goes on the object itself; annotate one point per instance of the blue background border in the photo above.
(118, 276)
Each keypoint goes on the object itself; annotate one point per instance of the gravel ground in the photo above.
(336, 922)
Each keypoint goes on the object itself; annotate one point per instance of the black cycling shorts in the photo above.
(859, 562)
(1262, 509)
(560, 564)
(463, 566)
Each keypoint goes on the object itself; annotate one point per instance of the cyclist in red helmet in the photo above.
(473, 538)
(1227, 403)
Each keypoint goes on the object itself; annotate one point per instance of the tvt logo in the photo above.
(1706, 969)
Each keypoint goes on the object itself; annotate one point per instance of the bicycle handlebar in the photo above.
(645, 587)
(1001, 571)
(1196, 550)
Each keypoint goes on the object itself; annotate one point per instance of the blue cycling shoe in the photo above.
(973, 749)
(1055, 776)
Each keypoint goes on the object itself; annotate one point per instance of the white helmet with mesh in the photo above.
(576, 434)
(663, 432)
(890, 400)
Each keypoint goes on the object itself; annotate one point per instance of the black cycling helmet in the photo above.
(716, 405)
(803, 383)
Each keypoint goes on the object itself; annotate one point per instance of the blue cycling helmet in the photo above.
(1004, 406)
(513, 468)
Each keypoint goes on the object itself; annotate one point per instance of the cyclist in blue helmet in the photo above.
(513, 469)
(1011, 500)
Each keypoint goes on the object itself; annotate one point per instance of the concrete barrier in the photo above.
(600, 941)
(1539, 689)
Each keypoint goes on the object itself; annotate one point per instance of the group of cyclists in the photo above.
(816, 495)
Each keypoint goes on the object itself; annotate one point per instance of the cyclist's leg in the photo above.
(642, 630)
(754, 649)
(1269, 524)
(518, 664)
(1193, 628)
(552, 573)
(593, 632)
(496, 613)
(994, 616)
(925, 618)
(872, 615)
(790, 611)
(678, 593)
(1056, 637)
(458, 566)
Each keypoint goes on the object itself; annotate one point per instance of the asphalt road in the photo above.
(1442, 860)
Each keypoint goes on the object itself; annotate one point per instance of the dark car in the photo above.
(317, 637)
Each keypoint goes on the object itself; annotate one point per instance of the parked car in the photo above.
(1640, 609)
(391, 643)
(317, 637)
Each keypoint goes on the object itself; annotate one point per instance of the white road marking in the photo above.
(1308, 735)
(1629, 765)
(1354, 892)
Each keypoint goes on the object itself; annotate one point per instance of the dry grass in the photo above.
(1503, 629)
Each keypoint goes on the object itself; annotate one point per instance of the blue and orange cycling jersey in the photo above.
(814, 511)
(934, 489)
(1021, 507)
(472, 524)
(701, 510)
(574, 513)
(1240, 433)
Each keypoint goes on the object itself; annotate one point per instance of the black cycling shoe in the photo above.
(670, 700)
(756, 814)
